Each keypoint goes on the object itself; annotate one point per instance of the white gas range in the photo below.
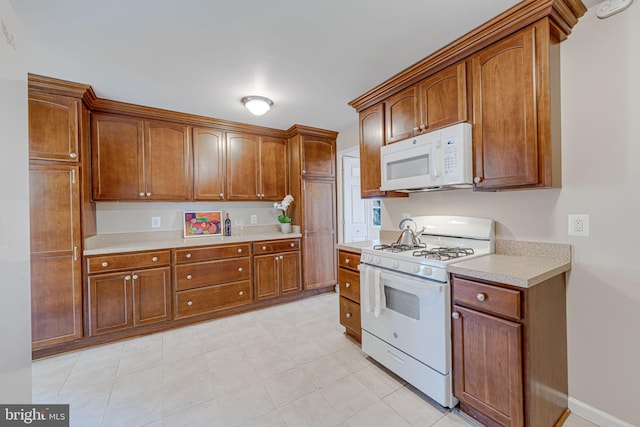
(405, 297)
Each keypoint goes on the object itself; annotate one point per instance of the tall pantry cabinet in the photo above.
(313, 187)
(58, 125)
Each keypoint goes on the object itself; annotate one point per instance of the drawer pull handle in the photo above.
(264, 248)
(347, 285)
(188, 255)
(481, 297)
(347, 261)
(104, 264)
(292, 245)
(189, 277)
(239, 268)
(455, 315)
(348, 315)
(189, 302)
(239, 250)
(154, 259)
(241, 293)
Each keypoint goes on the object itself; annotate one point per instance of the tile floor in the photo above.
(286, 366)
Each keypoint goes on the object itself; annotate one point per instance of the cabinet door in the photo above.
(167, 161)
(117, 157)
(289, 264)
(402, 114)
(487, 365)
(53, 127)
(504, 108)
(443, 98)
(319, 233)
(242, 166)
(274, 168)
(110, 303)
(371, 139)
(318, 157)
(208, 164)
(56, 290)
(151, 296)
(266, 276)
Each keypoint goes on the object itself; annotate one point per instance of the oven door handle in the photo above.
(390, 279)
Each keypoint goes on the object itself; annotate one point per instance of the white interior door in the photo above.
(355, 208)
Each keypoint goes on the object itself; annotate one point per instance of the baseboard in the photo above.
(594, 415)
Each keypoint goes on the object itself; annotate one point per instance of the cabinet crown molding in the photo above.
(311, 131)
(563, 15)
(62, 87)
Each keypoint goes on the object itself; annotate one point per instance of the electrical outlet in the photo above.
(254, 219)
(155, 222)
(579, 225)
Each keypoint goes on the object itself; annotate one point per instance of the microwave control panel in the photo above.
(450, 156)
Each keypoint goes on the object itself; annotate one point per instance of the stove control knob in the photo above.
(415, 269)
(425, 270)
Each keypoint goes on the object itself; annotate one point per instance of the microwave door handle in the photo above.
(436, 160)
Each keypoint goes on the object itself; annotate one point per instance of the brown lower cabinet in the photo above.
(277, 268)
(510, 352)
(349, 284)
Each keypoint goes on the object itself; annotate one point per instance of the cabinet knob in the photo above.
(127, 277)
(73, 155)
(347, 261)
(135, 276)
(264, 248)
(481, 297)
(239, 250)
(189, 277)
(477, 180)
(141, 194)
(415, 129)
(292, 245)
(281, 256)
(304, 171)
(348, 315)
(154, 259)
(455, 315)
(148, 194)
(241, 293)
(104, 264)
(189, 302)
(422, 127)
(221, 195)
(347, 285)
(188, 255)
(239, 268)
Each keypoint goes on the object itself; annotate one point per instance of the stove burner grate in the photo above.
(443, 254)
(399, 247)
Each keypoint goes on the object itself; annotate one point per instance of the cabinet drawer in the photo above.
(350, 315)
(102, 263)
(212, 298)
(211, 253)
(272, 246)
(488, 298)
(348, 260)
(195, 275)
(349, 282)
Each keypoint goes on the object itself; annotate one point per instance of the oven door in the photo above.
(413, 317)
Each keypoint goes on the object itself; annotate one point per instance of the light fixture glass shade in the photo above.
(258, 105)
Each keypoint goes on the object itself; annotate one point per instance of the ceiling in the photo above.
(202, 56)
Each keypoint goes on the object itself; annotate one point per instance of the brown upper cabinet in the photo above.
(256, 167)
(318, 157)
(134, 159)
(53, 127)
(512, 104)
(208, 164)
(437, 101)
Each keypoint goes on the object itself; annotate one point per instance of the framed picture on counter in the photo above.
(199, 224)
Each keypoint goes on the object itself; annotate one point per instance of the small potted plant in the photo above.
(283, 218)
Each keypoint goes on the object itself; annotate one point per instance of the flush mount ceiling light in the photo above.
(258, 105)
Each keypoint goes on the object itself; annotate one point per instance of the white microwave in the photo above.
(436, 160)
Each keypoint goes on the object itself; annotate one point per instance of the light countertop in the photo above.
(131, 242)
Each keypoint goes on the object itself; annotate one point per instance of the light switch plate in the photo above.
(579, 225)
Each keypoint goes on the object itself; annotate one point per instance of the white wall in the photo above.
(601, 177)
(15, 303)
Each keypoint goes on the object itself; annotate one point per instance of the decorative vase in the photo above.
(285, 227)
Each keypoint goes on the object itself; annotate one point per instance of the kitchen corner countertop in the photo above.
(357, 246)
(521, 267)
(131, 242)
